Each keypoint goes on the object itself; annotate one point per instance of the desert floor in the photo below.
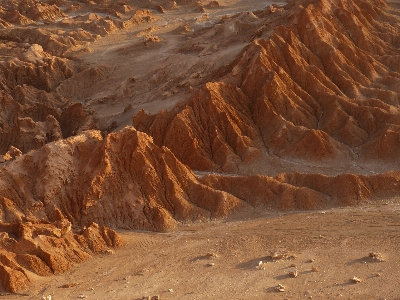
(222, 259)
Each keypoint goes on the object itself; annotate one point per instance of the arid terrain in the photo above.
(221, 259)
(233, 149)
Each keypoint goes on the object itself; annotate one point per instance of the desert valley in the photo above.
(232, 149)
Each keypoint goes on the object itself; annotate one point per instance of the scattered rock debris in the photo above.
(212, 255)
(280, 288)
(376, 256)
(278, 255)
(109, 251)
(293, 273)
(260, 265)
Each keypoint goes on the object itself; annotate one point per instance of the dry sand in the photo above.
(177, 265)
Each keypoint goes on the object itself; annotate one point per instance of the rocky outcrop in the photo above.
(33, 112)
(39, 82)
(29, 127)
(316, 89)
(122, 181)
(84, 175)
(46, 248)
(126, 181)
(301, 191)
(32, 10)
(32, 66)
(264, 192)
(214, 130)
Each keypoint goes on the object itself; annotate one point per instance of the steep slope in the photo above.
(214, 129)
(84, 175)
(316, 89)
(122, 181)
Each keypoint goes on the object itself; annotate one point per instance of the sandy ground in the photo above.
(232, 259)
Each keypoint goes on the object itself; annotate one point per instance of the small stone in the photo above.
(280, 288)
(376, 256)
(170, 290)
(356, 279)
(294, 273)
(211, 254)
(210, 264)
(314, 269)
(260, 265)
(82, 296)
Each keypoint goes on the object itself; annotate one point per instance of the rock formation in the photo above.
(126, 181)
(46, 248)
(122, 181)
(319, 92)
(315, 89)
(39, 82)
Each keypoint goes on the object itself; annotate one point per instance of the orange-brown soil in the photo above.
(222, 260)
(153, 115)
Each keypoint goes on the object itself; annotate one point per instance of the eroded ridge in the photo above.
(320, 91)
(323, 87)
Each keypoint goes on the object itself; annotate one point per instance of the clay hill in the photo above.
(322, 87)
(286, 107)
